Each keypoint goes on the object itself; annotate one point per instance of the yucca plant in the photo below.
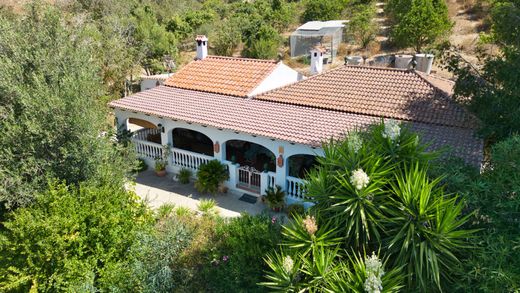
(303, 234)
(284, 274)
(426, 229)
(349, 187)
(165, 210)
(208, 207)
(362, 273)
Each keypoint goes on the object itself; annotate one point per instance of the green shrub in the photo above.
(294, 210)
(183, 211)
(493, 196)
(72, 238)
(210, 176)
(236, 262)
(184, 176)
(156, 253)
(165, 210)
(208, 207)
(140, 166)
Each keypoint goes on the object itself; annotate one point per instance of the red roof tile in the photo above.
(377, 91)
(292, 123)
(223, 75)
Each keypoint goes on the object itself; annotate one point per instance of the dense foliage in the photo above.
(372, 193)
(51, 115)
(71, 239)
(493, 265)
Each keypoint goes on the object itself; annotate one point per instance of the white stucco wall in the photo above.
(222, 136)
(281, 75)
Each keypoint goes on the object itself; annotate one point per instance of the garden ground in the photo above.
(160, 190)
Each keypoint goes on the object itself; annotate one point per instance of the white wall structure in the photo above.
(316, 61)
(151, 81)
(185, 159)
(202, 47)
(282, 75)
(424, 62)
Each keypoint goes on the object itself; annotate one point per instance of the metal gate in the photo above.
(249, 178)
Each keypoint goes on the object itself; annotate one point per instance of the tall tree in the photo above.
(419, 23)
(51, 117)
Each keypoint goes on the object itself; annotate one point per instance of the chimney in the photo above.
(202, 47)
(317, 60)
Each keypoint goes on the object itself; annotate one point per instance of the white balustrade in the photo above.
(146, 149)
(271, 179)
(295, 188)
(187, 159)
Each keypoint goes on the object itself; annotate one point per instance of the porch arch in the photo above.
(247, 153)
(300, 164)
(192, 140)
(144, 130)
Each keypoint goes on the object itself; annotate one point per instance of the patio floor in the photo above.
(159, 190)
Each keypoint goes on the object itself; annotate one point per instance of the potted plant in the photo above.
(275, 198)
(160, 167)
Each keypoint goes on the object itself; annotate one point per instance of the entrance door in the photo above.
(249, 178)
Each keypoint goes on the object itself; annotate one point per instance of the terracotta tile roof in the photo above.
(223, 75)
(298, 124)
(376, 91)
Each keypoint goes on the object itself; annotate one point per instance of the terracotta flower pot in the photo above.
(161, 173)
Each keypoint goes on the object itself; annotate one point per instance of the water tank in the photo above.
(424, 62)
(353, 60)
(403, 61)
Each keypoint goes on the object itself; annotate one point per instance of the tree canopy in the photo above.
(418, 23)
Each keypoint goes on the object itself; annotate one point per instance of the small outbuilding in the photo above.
(327, 34)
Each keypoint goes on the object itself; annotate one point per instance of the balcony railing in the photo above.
(187, 159)
(295, 188)
(146, 149)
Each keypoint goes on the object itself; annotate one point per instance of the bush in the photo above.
(208, 207)
(184, 176)
(236, 262)
(165, 210)
(156, 253)
(141, 166)
(210, 176)
(494, 264)
(72, 238)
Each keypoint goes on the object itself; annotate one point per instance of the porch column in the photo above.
(232, 182)
(281, 168)
(219, 151)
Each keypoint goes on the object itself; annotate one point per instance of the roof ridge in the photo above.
(241, 59)
(330, 71)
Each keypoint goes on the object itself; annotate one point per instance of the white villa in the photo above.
(267, 123)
